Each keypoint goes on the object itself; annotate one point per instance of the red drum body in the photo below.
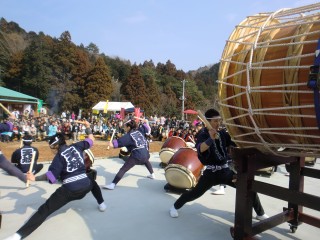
(264, 96)
(184, 169)
(169, 147)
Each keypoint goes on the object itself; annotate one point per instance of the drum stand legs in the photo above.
(248, 161)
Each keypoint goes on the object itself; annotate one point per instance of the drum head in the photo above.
(124, 151)
(166, 154)
(190, 144)
(180, 177)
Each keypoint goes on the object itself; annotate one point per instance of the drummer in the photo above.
(212, 152)
(134, 140)
(7, 126)
(67, 165)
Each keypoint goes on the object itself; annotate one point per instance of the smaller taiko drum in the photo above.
(184, 169)
(88, 161)
(124, 154)
(169, 147)
(88, 158)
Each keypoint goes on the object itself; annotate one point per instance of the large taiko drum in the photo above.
(169, 147)
(184, 169)
(263, 76)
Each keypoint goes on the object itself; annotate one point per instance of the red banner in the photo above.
(137, 113)
(122, 113)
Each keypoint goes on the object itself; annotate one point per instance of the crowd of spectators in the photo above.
(43, 126)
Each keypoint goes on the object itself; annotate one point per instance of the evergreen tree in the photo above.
(116, 95)
(134, 89)
(153, 91)
(12, 76)
(119, 69)
(149, 64)
(64, 60)
(170, 69)
(99, 85)
(169, 102)
(36, 71)
(73, 100)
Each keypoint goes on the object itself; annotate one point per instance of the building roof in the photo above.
(8, 95)
(112, 106)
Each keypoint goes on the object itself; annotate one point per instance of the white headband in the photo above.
(216, 117)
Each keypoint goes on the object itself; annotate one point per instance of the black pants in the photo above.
(58, 199)
(96, 190)
(130, 163)
(209, 179)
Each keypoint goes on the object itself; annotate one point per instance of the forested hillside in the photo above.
(71, 77)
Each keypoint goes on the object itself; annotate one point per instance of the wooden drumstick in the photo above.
(192, 140)
(5, 109)
(203, 119)
(31, 166)
(114, 131)
(78, 121)
(21, 142)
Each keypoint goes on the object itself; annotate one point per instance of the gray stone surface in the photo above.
(138, 208)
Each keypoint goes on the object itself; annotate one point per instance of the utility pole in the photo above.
(183, 98)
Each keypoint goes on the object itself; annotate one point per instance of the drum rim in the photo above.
(193, 149)
(169, 153)
(167, 149)
(184, 170)
(90, 155)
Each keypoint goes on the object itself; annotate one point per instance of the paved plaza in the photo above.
(138, 209)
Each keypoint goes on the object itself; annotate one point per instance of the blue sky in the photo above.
(189, 33)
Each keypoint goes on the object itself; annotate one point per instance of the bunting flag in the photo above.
(105, 109)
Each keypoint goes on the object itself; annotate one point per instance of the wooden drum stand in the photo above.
(248, 160)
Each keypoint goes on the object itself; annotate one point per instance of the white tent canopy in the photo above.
(112, 106)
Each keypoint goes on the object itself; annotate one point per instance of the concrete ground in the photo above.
(138, 208)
